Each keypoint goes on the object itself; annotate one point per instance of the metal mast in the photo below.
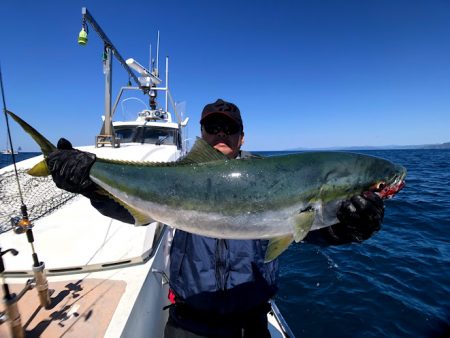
(107, 134)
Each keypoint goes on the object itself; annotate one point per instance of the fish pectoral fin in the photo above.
(139, 217)
(277, 246)
(39, 170)
(303, 222)
(202, 152)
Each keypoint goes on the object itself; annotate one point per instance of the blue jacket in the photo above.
(219, 275)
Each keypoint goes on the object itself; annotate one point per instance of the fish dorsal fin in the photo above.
(202, 152)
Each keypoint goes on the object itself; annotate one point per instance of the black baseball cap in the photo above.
(222, 107)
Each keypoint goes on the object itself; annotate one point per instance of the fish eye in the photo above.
(381, 185)
(378, 186)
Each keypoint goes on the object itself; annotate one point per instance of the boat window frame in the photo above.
(137, 135)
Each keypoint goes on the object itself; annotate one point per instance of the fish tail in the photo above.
(46, 146)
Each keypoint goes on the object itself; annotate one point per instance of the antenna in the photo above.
(150, 66)
(157, 56)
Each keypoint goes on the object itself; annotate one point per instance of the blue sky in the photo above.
(304, 73)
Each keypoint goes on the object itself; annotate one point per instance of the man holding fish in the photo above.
(220, 287)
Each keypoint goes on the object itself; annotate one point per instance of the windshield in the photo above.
(147, 134)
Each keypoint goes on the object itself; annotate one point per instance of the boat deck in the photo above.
(79, 308)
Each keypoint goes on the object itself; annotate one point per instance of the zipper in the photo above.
(221, 246)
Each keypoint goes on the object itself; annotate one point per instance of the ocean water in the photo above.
(7, 159)
(396, 284)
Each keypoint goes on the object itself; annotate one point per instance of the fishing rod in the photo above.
(10, 300)
(21, 225)
(8, 131)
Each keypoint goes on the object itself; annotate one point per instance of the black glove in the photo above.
(360, 216)
(70, 168)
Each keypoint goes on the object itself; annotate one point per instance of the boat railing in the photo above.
(160, 233)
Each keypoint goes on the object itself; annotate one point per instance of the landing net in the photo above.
(40, 195)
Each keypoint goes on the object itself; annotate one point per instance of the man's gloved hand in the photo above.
(361, 216)
(70, 168)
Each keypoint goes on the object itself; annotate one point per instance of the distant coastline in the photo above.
(445, 145)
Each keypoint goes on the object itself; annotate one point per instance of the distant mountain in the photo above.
(445, 145)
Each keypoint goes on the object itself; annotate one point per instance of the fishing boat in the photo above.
(67, 269)
(7, 150)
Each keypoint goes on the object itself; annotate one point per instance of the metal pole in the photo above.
(108, 89)
(167, 82)
(157, 56)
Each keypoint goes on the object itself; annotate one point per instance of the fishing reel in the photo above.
(20, 225)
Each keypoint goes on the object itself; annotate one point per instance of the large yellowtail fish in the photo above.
(278, 198)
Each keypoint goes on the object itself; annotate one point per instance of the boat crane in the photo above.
(147, 82)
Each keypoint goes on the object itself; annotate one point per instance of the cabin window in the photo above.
(125, 134)
(148, 134)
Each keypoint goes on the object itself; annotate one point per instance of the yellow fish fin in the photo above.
(139, 217)
(303, 222)
(39, 170)
(277, 246)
